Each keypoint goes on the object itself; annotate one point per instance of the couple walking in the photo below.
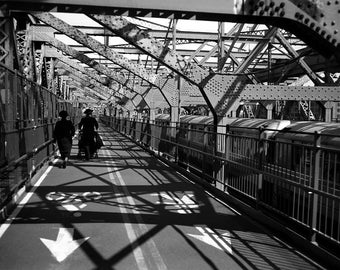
(64, 131)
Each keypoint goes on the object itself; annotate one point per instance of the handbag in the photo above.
(99, 141)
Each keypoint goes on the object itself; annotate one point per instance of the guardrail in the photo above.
(297, 183)
(28, 112)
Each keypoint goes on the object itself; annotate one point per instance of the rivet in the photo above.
(336, 31)
(333, 23)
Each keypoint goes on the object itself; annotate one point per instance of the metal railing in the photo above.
(298, 182)
(28, 112)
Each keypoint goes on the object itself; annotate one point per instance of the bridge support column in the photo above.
(329, 111)
(174, 118)
(152, 111)
(221, 147)
(269, 108)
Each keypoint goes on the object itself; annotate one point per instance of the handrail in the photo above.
(28, 155)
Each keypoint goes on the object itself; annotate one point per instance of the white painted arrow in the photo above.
(208, 236)
(64, 245)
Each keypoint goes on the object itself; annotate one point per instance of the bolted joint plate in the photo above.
(316, 21)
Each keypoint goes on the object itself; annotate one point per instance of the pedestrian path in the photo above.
(127, 210)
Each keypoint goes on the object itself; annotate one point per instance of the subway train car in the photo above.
(195, 136)
(273, 163)
(295, 149)
(285, 167)
(309, 152)
(196, 140)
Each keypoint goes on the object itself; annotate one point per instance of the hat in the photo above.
(88, 111)
(63, 114)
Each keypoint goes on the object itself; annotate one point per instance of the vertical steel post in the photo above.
(227, 154)
(315, 186)
(260, 175)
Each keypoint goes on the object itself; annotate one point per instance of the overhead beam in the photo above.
(296, 93)
(103, 50)
(88, 81)
(316, 22)
(95, 45)
(119, 78)
(222, 91)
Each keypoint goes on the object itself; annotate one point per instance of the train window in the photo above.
(197, 134)
(330, 171)
(210, 136)
(183, 131)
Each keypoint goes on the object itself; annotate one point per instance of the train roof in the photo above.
(162, 116)
(233, 122)
(197, 119)
(257, 123)
(304, 131)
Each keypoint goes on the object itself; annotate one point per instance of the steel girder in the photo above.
(288, 91)
(95, 45)
(297, 93)
(86, 80)
(259, 47)
(92, 76)
(81, 81)
(102, 50)
(7, 55)
(317, 22)
(183, 36)
(43, 37)
(221, 90)
(140, 38)
(301, 61)
(243, 37)
(52, 52)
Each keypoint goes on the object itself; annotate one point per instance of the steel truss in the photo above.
(223, 69)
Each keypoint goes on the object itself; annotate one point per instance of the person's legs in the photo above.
(65, 162)
(87, 152)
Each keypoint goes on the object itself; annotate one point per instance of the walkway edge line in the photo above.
(25, 199)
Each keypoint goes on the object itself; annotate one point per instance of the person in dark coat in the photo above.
(63, 132)
(88, 126)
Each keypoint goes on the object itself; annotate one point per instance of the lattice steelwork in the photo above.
(248, 62)
(3, 39)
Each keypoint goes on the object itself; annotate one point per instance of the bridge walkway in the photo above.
(126, 209)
